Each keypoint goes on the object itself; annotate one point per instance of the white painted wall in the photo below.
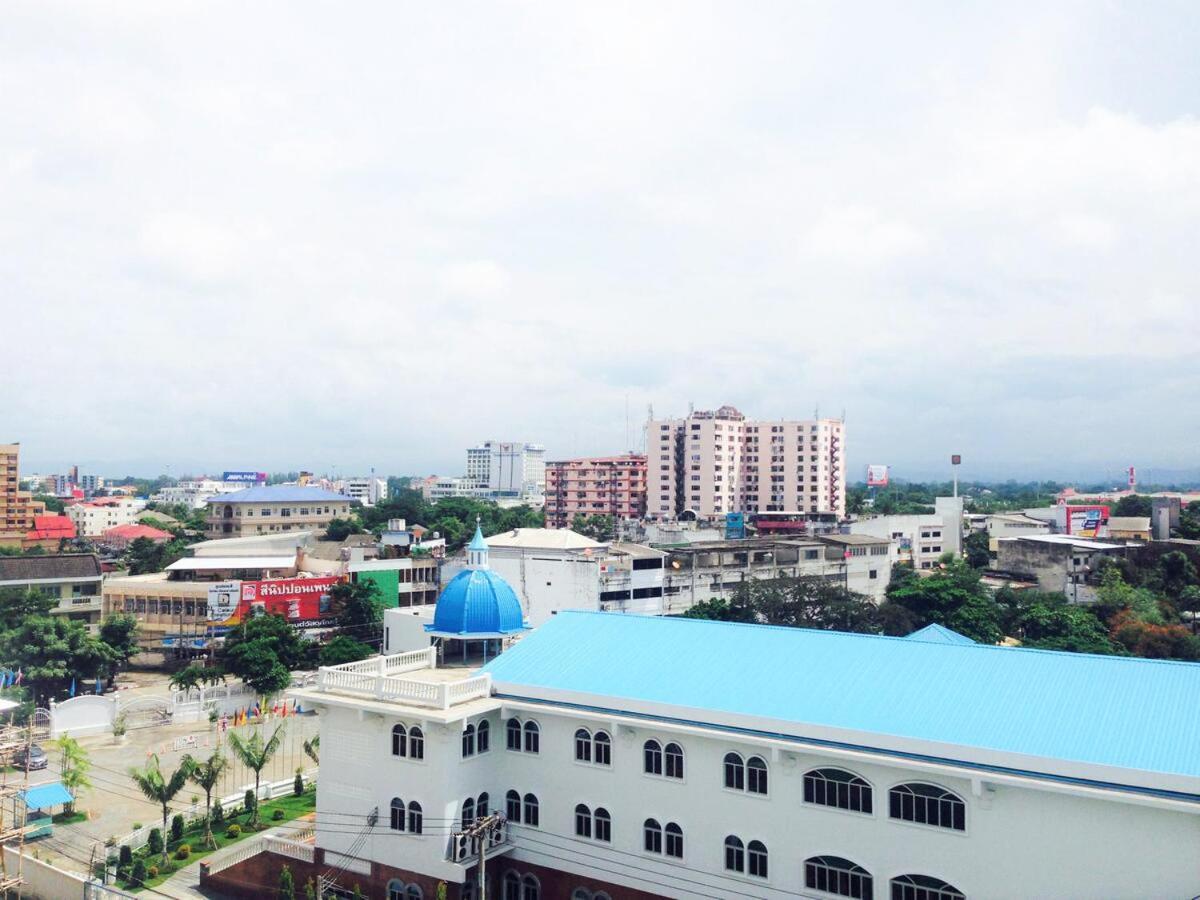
(1020, 841)
(81, 716)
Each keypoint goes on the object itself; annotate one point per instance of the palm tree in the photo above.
(73, 770)
(206, 774)
(313, 749)
(255, 754)
(162, 790)
(186, 679)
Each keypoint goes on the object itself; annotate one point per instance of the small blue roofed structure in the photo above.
(39, 802)
(938, 634)
(477, 604)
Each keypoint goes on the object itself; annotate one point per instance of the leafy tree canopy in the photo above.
(344, 649)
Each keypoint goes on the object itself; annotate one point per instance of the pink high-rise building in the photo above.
(596, 486)
(713, 463)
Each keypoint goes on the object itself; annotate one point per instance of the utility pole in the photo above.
(480, 835)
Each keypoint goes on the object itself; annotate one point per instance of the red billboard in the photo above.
(304, 602)
(877, 476)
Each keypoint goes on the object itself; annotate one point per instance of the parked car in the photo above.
(36, 757)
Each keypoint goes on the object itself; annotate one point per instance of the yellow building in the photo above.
(17, 508)
(273, 509)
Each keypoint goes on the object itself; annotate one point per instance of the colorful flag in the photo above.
(99, 689)
(72, 687)
(20, 675)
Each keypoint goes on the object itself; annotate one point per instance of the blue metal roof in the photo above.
(279, 493)
(477, 601)
(1105, 710)
(939, 634)
(46, 795)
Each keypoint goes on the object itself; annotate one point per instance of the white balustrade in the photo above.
(377, 678)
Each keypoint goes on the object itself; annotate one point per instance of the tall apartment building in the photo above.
(508, 468)
(713, 463)
(596, 486)
(17, 507)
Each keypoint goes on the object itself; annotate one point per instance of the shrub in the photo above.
(233, 830)
(177, 828)
(251, 802)
(137, 825)
(218, 813)
(298, 784)
(138, 875)
(155, 842)
(152, 871)
(183, 851)
(125, 856)
(278, 815)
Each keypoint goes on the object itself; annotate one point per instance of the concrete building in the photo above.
(713, 463)
(613, 486)
(1129, 528)
(634, 757)
(17, 507)
(274, 508)
(507, 468)
(195, 493)
(120, 537)
(366, 489)
(94, 517)
(921, 539)
(72, 579)
(1058, 562)
(1002, 525)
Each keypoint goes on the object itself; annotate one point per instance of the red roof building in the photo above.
(48, 531)
(122, 536)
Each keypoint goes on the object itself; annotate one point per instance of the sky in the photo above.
(342, 236)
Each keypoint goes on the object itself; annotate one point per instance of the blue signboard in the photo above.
(245, 477)
(735, 526)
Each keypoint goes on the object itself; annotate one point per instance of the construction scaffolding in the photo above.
(13, 740)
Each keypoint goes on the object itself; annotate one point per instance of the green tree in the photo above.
(18, 604)
(1189, 523)
(951, 595)
(254, 754)
(598, 528)
(1062, 626)
(977, 549)
(263, 652)
(720, 610)
(205, 775)
(358, 605)
(340, 529)
(144, 556)
(186, 679)
(73, 769)
(344, 649)
(806, 603)
(1132, 505)
(287, 884)
(120, 632)
(160, 788)
(53, 652)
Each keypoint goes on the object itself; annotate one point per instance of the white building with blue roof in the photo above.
(271, 509)
(635, 757)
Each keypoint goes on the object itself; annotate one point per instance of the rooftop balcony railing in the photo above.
(382, 678)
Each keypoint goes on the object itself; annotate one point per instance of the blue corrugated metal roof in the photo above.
(1112, 711)
(279, 493)
(939, 634)
(46, 795)
(477, 601)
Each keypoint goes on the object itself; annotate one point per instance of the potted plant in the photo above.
(119, 727)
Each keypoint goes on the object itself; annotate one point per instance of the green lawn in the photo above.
(293, 807)
(69, 818)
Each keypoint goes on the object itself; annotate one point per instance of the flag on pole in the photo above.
(6, 675)
(99, 689)
(20, 675)
(72, 687)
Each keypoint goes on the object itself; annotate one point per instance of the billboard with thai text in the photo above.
(304, 602)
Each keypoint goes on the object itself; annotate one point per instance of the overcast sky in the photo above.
(298, 235)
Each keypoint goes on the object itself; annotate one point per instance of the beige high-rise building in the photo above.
(17, 508)
(713, 463)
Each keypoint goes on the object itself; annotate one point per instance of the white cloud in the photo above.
(479, 279)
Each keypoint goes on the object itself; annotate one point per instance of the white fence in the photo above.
(299, 846)
(82, 716)
(194, 705)
(380, 678)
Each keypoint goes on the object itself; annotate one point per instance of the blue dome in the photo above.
(477, 601)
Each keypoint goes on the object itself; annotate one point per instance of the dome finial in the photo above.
(477, 550)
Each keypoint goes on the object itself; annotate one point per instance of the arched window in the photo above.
(581, 893)
(652, 761)
(674, 760)
(483, 736)
(927, 804)
(603, 823)
(416, 743)
(583, 745)
(923, 887)
(735, 854)
(652, 836)
(395, 890)
(835, 875)
(397, 823)
(468, 812)
(481, 805)
(837, 788)
(531, 889)
(512, 806)
(399, 740)
(415, 819)
(600, 895)
(468, 741)
(583, 821)
(413, 892)
(602, 748)
(735, 772)
(512, 883)
(532, 737)
(532, 816)
(674, 840)
(756, 851)
(512, 732)
(756, 775)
